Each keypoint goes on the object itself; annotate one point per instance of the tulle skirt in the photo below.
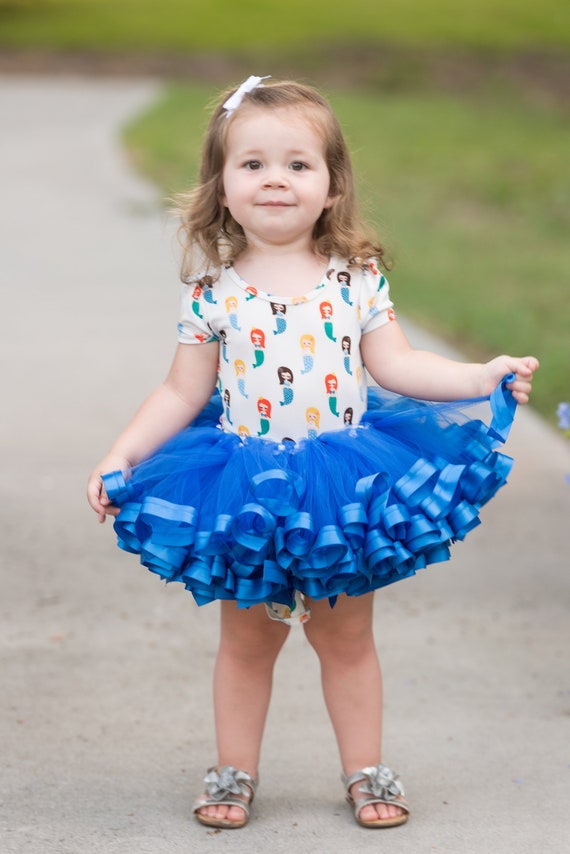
(353, 510)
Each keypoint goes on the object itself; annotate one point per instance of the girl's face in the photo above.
(276, 180)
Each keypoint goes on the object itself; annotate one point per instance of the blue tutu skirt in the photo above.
(353, 510)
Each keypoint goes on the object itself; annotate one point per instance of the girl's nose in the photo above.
(274, 177)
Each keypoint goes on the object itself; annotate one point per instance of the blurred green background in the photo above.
(456, 114)
(231, 25)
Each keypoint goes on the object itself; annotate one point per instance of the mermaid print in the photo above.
(206, 283)
(257, 338)
(231, 308)
(308, 351)
(196, 294)
(224, 348)
(200, 337)
(279, 310)
(361, 388)
(348, 416)
(251, 293)
(239, 366)
(346, 353)
(326, 316)
(264, 409)
(331, 384)
(227, 415)
(313, 419)
(286, 381)
(343, 278)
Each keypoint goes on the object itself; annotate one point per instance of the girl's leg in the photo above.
(249, 645)
(352, 684)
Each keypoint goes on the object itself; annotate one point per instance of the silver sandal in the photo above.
(223, 787)
(381, 786)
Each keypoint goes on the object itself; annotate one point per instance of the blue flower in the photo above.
(563, 413)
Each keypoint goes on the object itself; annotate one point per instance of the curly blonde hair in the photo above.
(210, 235)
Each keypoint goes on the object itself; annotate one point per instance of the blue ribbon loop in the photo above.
(503, 408)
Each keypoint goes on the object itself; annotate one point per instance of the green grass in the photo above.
(294, 24)
(471, 197)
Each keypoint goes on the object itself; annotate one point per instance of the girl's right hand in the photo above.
(96, 495)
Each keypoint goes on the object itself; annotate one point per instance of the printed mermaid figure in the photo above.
(375, 272)
(239, 366)
(313, 419)
(207, 282)
(343, 278)
(224, 339)
(227, 415)
(326, 315)
(196, 294)
(231, 308)
(361, 387)
(279, 310)
(331, 384)
(286, 380)
(257, 338)
(346, 342)
(308, 350)
(348, 416)
(251, 293)
(264, 409)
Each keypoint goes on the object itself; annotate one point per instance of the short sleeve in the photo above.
(376, 307)
(193, 326)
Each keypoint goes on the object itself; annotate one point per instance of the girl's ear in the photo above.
(330, 201)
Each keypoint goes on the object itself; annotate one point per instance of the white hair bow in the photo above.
(248, 85)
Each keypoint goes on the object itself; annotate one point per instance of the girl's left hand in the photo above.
(522, 368)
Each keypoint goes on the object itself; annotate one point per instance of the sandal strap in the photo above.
(225, 785)
(380, 785)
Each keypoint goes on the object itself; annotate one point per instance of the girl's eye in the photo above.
(253, 165)
(297, 166)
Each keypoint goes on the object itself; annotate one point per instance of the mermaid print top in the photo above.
(290, 367)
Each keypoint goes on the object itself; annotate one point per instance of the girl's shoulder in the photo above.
(348, 272)
(205, 278)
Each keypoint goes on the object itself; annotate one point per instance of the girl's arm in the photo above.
(166, 411)
(396, 366)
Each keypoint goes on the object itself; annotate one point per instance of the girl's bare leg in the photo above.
(249, 645)
(352, 684)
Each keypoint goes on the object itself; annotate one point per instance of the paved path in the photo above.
(105, 690)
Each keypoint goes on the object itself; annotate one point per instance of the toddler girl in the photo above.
(242, 477)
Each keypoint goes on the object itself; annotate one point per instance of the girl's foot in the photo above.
(374, 812)
(225, 803)
(377, 797)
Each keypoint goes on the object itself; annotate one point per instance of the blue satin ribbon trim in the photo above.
(503, 408)
(272, 545)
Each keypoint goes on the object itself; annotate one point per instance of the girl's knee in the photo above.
(341, 634)
(250, 633)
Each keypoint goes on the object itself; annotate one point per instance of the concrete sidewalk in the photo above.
(106, 726)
